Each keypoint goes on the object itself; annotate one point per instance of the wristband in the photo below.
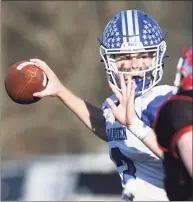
(139, 129)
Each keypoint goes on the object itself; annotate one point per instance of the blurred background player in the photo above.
(133, 45)
(173, 127)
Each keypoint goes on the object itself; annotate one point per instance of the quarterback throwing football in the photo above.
(132, 49)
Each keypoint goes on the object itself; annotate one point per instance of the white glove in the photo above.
(130, 190)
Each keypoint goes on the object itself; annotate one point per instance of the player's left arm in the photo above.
(125, 113)
(184, 146)
(147, 135)
(150, 141)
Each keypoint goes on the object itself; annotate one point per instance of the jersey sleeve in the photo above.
(157, 99)
(173, 120)
(107, 112)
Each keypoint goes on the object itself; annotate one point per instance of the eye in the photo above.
(128, 57)
(121, 58)
(144, 56)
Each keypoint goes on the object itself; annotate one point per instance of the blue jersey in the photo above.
(130, 155)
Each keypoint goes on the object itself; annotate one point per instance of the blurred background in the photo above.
(46, 152)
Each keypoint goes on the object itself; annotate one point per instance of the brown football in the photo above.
(22, 80)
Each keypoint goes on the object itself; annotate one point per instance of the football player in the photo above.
(132, 49)
(173, 127)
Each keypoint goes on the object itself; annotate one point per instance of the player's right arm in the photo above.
(184, 145)
(90, 115)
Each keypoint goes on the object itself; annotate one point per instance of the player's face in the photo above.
(134, 62)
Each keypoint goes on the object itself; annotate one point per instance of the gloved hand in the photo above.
(130, 190)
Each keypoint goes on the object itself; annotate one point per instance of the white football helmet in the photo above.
(133, 31)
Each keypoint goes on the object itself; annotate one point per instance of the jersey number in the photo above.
(121, 160)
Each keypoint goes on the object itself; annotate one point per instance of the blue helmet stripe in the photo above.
(126, 25)
(123, 26)
(134, 24)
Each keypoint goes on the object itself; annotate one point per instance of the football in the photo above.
(22, 80)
